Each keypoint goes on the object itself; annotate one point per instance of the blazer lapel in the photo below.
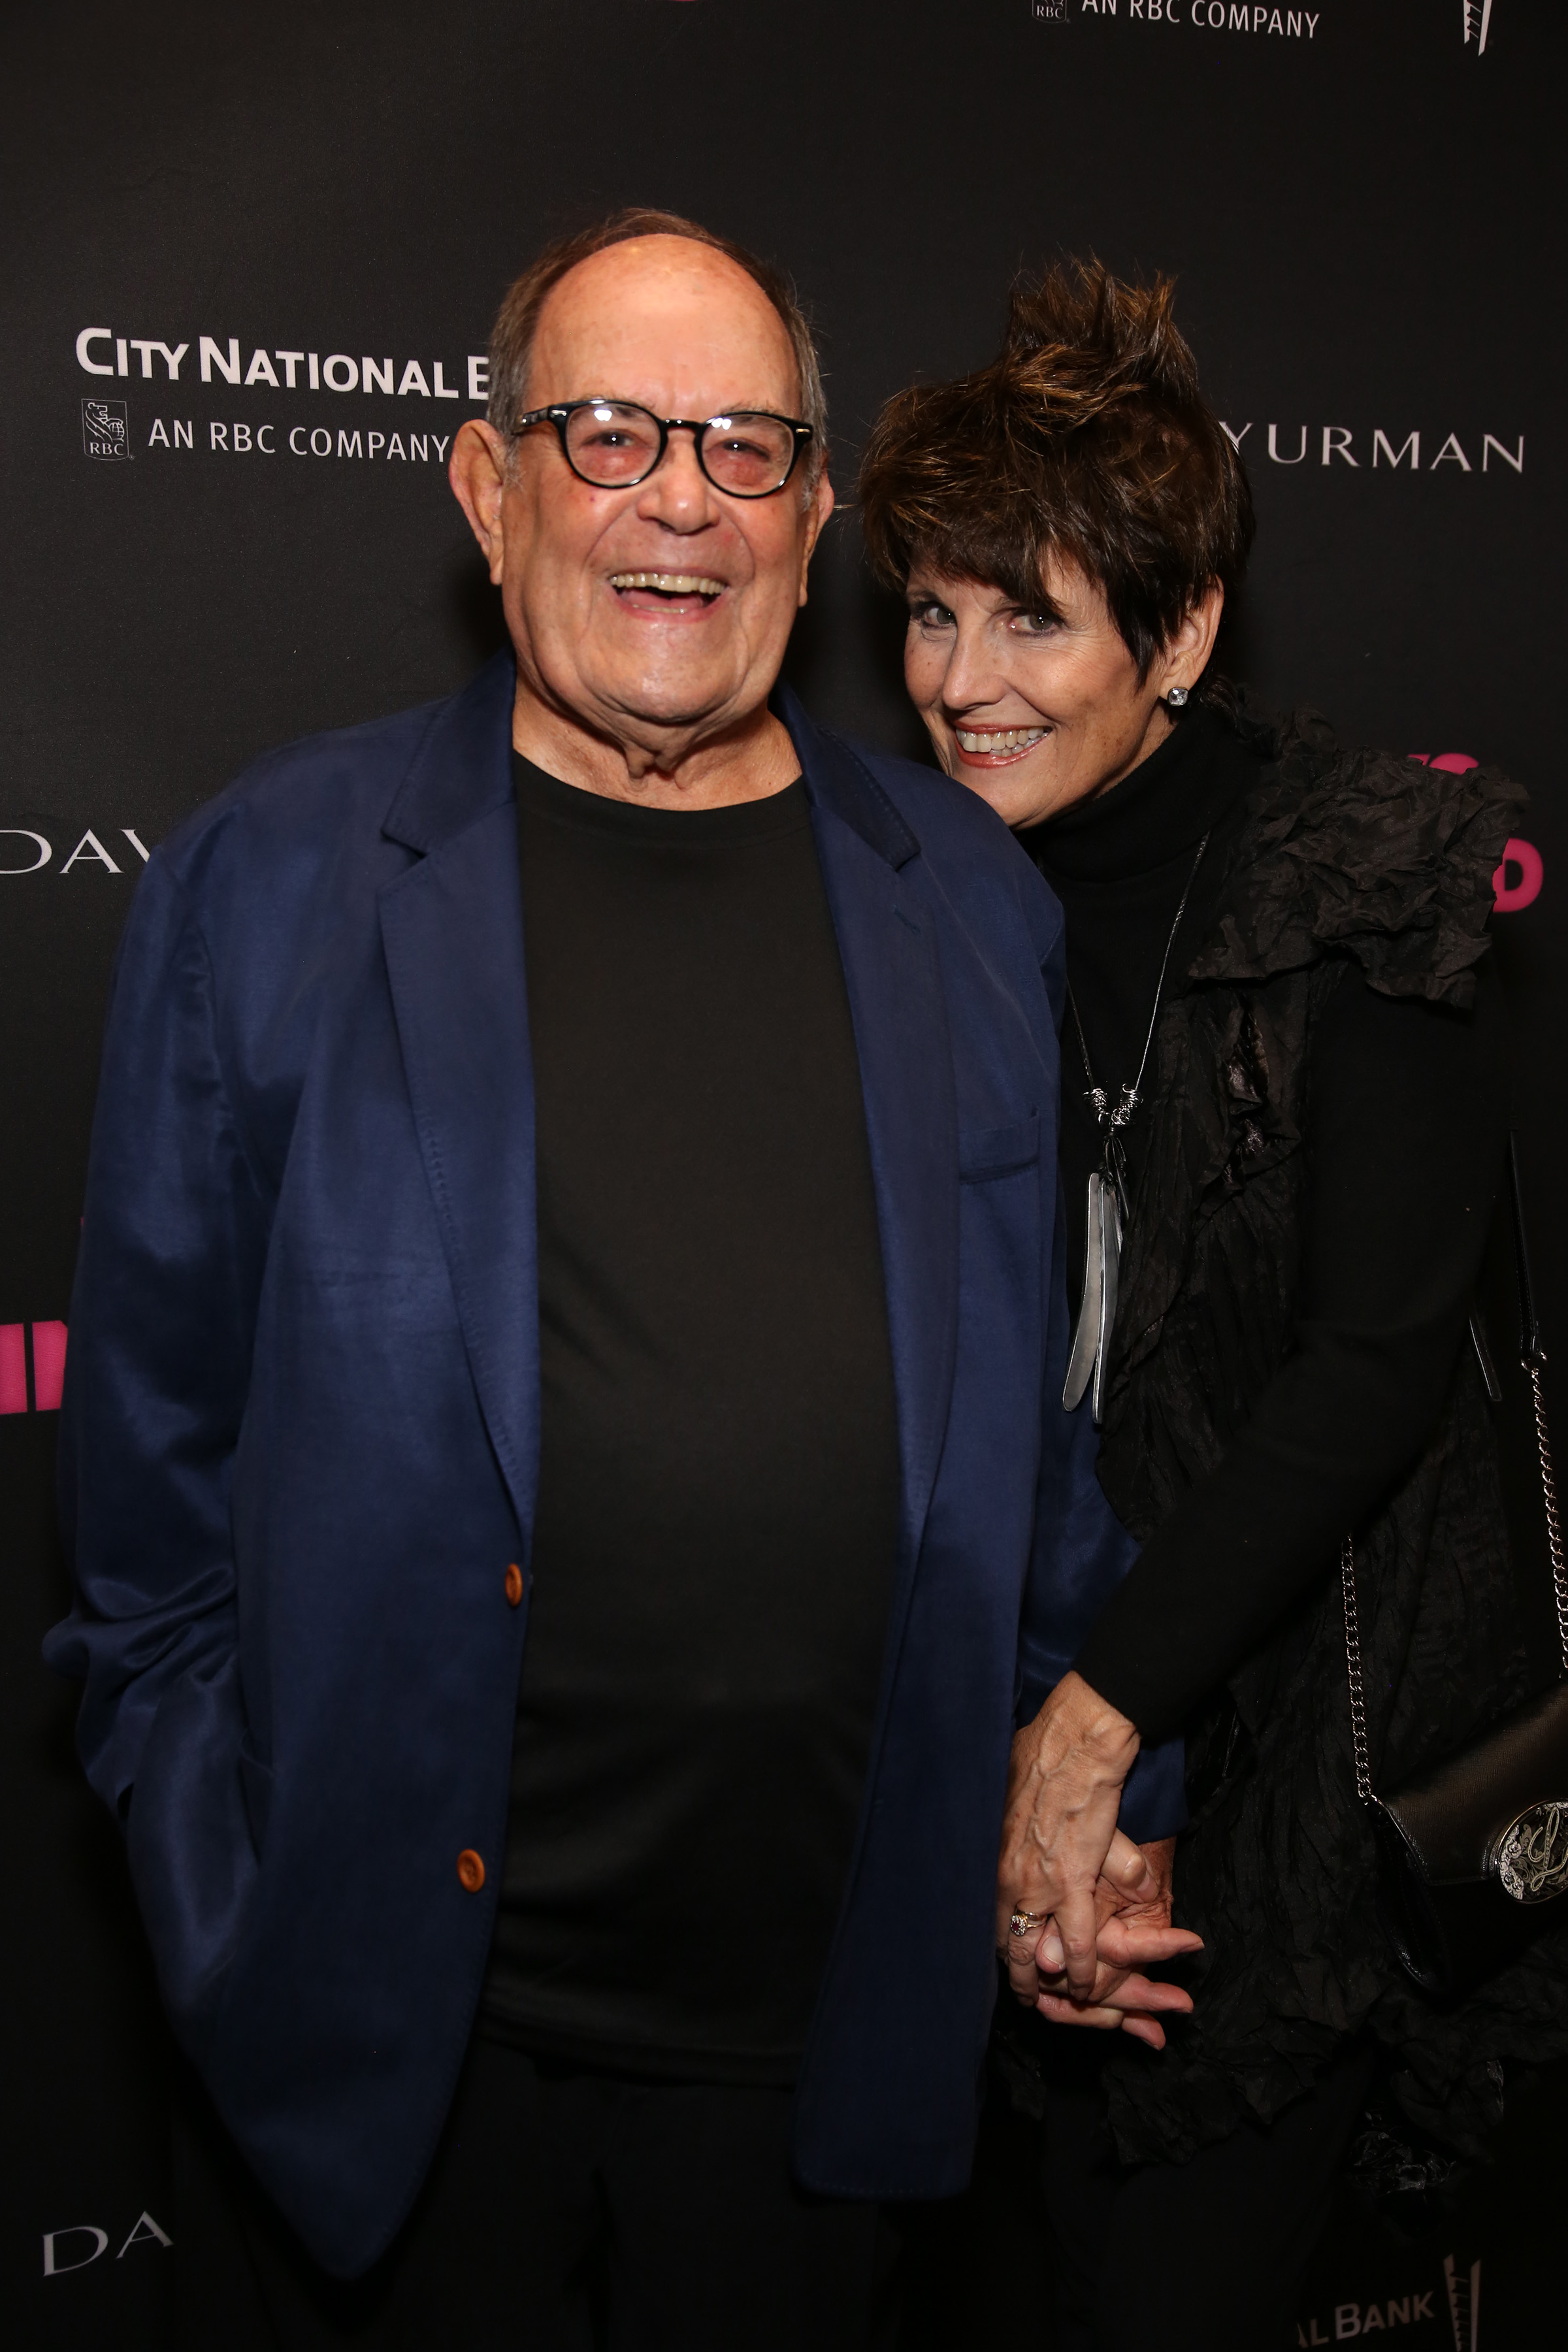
(452, 931)
(888, 946)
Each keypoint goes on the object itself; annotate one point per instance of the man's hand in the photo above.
(1064, 1789)
(1131, 1936)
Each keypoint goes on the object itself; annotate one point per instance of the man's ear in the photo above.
(819, 507)
(1184, 656)
(477, 476)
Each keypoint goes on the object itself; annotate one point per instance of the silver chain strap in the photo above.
(1532, 1360)
(1353, 1663)
(1553, 1522)
(1559, 1586)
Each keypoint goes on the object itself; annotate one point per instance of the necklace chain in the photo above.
(1113, 1117)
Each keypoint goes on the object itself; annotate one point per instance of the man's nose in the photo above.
(677, 492)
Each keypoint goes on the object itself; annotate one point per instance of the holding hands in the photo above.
(1080, 1909)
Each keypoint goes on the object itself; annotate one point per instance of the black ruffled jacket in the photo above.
(1380, 859)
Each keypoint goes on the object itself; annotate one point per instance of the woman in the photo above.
(1286, 1102)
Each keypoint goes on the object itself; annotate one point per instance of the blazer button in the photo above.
(514, 1584)
(471, 1871)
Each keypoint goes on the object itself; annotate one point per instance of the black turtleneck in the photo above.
(1408, 1116)
(1119, 865)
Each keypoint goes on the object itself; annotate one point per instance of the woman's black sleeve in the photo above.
(1407, 1127)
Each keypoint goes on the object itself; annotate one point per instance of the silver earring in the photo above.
(1176, 696)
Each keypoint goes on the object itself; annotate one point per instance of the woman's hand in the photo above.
(1064, 1789)
(1133, 1935)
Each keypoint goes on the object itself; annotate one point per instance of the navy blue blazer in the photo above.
(300, 1439)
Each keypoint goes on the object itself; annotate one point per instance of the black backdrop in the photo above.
(1363, 205)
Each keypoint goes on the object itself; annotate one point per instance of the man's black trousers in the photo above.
(565, 2213)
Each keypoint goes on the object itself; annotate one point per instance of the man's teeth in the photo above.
(672, 584)
(1016, 739)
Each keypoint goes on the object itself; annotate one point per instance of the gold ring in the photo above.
(1024, 1923)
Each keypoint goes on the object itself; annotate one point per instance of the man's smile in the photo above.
(667, 592)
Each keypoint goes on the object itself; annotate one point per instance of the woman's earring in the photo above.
(1175, 696)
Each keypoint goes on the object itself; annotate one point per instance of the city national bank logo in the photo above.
(279, 370)
(1461, 2292)
(105, 429)
(1478, 24)
(419, 387)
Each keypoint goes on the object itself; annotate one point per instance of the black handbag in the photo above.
(1473, 1855)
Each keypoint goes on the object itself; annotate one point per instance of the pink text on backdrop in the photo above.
(1510, 897)
(48, 1367)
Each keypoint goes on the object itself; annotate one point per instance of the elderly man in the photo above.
(561, 1463)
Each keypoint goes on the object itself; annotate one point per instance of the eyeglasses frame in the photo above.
(559, 413)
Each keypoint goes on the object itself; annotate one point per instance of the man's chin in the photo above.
(655, 713)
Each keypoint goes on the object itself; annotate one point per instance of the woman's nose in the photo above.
(972, 676)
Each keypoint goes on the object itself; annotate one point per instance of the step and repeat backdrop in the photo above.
(254, 252)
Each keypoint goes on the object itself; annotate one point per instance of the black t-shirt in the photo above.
(718, 1497)
(1409, 1106)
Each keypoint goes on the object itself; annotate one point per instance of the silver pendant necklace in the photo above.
(1108, 1197)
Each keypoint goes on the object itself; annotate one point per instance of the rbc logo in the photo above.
(105, 432)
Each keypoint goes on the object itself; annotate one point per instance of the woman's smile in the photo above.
(998, 747)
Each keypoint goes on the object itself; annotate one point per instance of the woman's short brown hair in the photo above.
(1086, 437)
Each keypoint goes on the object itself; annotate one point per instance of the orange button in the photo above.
(471, 1871)
(514, 1584)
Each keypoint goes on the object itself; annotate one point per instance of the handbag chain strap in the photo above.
(1353, 1663)
(1553, 1523)
(1532, 1360)
(1532, 1356)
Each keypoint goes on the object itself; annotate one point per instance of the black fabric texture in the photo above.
(713, 1557)
(1408, 1119)
(1353, 914)
(564, 2211)
(1223, 2242)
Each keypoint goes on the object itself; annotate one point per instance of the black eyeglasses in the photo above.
(615, 445)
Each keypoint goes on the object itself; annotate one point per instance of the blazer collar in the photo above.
(461, 770)
(887, 943)
(838, 780)
(462, 767)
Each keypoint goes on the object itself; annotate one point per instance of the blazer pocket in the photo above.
(987, 1152)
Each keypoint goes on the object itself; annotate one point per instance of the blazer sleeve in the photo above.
(162, 1324)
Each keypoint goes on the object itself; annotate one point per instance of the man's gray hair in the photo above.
(517, 321)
